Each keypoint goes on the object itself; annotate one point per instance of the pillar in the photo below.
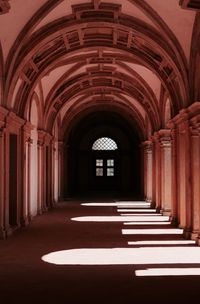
(2, 186)
(157, 173)
(26, 167)
(195, 172)
(184, 176)
(166, 172)
(48, 170)
(13, 205)
(3, 113)
(61, 169)
(174, 216)
(148, 167)
(41, 172)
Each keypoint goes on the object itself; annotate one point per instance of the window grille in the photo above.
(104, 143)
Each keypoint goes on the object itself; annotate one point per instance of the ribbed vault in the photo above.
(98, 53)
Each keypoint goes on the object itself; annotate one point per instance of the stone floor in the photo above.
(99, 252)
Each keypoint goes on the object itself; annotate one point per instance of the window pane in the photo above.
(104, 143)
(99, 162)
(110, 171)
(110, 162)
(99, 171)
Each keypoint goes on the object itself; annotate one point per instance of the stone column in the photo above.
(61, 169)
(2, 172)
(6, 182)
(157, 181)
(39, 175)
(166, 172)
(174, 217)
(41, 172)
(14, 125)
(3, 113)
(48, 170)
(195, 175)
(181, 187)
(52, 171)
(29, 144)
(26, 151)
(154, 185)
(148, 167)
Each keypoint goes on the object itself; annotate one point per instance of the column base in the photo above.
(158, 210)
(30, 217)
(187, 233)
(3, 233)
(195, 235)
(153, 205)
(10, 230)
(166, 212)
(44, 209)
(54, 203)
(174, 221)
(25, 221)
(39, 211)
(198, 240)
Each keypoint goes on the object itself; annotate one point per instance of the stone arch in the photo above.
(167, 112)
(148, 58)
(194, 75)
(1, 76)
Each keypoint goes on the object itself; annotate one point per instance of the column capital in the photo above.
(40, 143)
(155, 136)
(147, 145)
(1, 131)
(195, 125)
(29, 140)
(41, 137)
(48, 138)
(14, 122)
(28, 127)
(3, 113)
(165, 138)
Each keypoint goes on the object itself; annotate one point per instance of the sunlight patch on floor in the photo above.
(147, 218)
(137, 210)
(167, 272)
(152, 231)
(118, 204)
(147, 223)
(125, 256)
(118, 219)
(164, 242)
(144, 214)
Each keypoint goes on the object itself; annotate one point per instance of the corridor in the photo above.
(99, 252)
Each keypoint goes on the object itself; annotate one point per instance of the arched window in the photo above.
(104, 143)
(105, 165)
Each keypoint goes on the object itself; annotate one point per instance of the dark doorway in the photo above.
(13, 180)
(103, 172)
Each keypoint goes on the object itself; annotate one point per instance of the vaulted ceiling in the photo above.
(76, 56)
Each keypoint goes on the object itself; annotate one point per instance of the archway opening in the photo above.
(102, 157)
